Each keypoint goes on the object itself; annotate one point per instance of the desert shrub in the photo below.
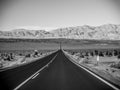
(96, 52)
(115, 65)
(1, 65)
(82, 56)
(118, 56)
(115, 53)
(21, 54)
(101, 54)
(91, 53)
(73, 53)
(28, 55)
(110, 54)
(107, 53)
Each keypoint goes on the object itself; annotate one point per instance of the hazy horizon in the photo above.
(50, 28)
(52, 14)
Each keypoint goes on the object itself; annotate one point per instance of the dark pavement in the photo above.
(11, 78)
(61, 74)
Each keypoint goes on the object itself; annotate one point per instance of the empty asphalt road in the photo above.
(60, 74)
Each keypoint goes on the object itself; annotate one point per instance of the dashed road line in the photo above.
(34, 75)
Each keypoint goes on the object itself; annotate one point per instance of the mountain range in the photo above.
(103, 32)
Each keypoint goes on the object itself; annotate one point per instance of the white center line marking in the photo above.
(20, 85)
(35, 76)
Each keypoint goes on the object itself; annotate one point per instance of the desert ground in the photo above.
(105, 63)
(16, 52)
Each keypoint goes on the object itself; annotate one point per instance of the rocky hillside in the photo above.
(106, 32)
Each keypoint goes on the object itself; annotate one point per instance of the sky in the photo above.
(51, 14)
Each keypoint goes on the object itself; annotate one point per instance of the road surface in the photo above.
(61, 74)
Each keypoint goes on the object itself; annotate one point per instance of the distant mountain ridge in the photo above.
(103, 32)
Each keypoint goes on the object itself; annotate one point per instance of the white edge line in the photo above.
(7, 68)
(94, 74)
(35, 73)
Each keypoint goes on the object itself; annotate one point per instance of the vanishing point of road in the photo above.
(53, 72)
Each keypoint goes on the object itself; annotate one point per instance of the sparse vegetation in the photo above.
(115, 65)
(16, 51)
(13, 58)
(108, 65)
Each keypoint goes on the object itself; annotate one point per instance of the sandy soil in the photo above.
(20, 60)
(102, 68)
